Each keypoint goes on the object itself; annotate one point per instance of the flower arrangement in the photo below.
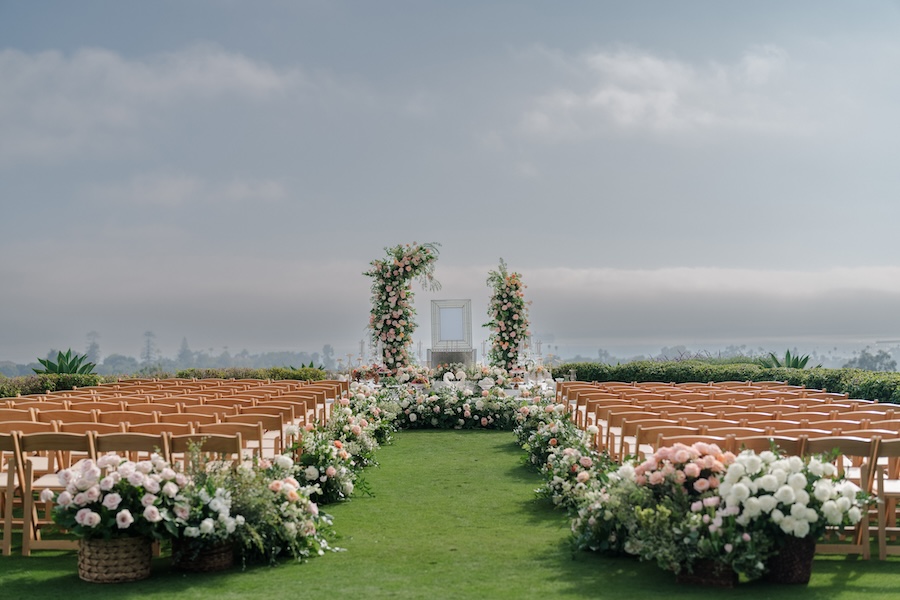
(790, 496)
(685, 504)
(451, 408)
(541, 428)
(392, 317)
(325, 464)
(572, 472)
(115, 498)
(202, 509)
(281, 517)
(415, 374)
(366, 372)
(508, 317)
(379, 410)
(353, 431)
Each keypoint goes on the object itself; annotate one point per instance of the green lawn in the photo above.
(453, 516)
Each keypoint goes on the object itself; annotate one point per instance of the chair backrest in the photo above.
(16, 414)
(230, 446)
(789, 446)
(860, 451)
(66, 427)
(269, 421)
(27, 426)
(94, 405)
(62, 449)
(134, 444)
(286, 413)
(160, 428)
(153, 407)
(80, 416)
(645, 435)
(126, 416)
(188, 417)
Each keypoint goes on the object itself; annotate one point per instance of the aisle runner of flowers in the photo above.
(680, 506)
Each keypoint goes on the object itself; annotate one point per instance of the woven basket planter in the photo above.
(219, 557)
(793, 563)
(710, 573)
(114, 561)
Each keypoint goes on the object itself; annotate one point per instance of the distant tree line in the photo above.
(151, 361)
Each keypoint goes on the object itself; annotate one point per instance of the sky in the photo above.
(660, 173)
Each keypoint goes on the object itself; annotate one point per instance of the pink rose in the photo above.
(692, 470)
(701, 485)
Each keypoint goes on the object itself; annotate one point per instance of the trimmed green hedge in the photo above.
(40, 384)
(868, 385)
(304, 373)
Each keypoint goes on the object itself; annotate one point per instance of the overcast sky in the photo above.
(660, 173)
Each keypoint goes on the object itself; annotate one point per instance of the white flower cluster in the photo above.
(793, 493)
(213, 513)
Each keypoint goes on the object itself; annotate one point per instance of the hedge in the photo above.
(303, 373)
(867, 385)
(41, 384)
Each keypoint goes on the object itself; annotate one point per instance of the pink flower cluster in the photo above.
(698, 468)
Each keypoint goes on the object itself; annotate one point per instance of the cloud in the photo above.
(54, 106)
(635, 90)
(174, 191)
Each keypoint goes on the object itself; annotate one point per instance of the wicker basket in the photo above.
(114, 561)
(793, 563)
(709, 572)
(211, 558)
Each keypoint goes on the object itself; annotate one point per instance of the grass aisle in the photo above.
(453, 516)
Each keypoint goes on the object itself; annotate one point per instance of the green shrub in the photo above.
(867, 385)
(304, 374)
(40, 384)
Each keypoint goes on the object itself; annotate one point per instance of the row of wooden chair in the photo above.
(33, 459)
(320, 395)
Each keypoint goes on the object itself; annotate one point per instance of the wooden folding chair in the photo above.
(272, 430)
(63, 450)
(852, 455)
(251, 434)
(9, 484)
(887, 490)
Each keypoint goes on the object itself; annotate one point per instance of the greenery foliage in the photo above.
(66, 363)
(788, 362)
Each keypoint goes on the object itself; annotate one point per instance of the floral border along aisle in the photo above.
(509, 317)
(392, 318)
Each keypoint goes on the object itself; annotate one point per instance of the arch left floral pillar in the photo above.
(392, 318)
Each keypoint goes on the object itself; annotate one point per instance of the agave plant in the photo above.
(66, 364)
(789, 362)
